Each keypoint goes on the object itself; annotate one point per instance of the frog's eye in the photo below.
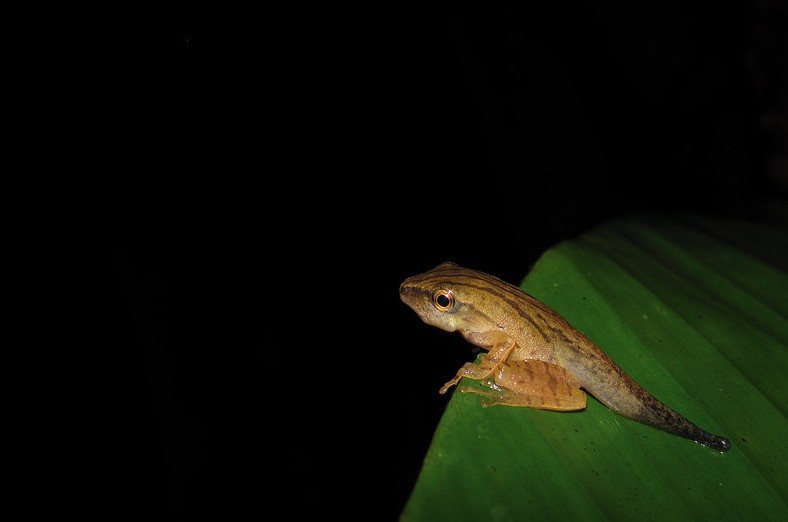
(443, 300)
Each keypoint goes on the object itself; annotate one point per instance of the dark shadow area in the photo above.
(275, 185)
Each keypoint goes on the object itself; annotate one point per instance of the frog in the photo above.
(533, 357)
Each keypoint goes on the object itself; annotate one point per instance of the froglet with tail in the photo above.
(534, 358)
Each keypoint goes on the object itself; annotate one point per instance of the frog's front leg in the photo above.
(532, 384)
(500, 346)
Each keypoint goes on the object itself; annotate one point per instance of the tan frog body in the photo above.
(535, 357)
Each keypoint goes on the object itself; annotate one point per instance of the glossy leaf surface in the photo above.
(695, 310)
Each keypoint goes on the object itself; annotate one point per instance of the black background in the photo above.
(277, 178)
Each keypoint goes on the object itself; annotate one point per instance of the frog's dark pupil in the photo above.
(443, 300)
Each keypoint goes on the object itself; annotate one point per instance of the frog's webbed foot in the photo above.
(492, 395)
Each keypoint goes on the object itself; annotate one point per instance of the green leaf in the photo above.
(695, 310)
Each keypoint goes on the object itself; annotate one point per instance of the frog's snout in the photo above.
(406, 291)
(413, 295)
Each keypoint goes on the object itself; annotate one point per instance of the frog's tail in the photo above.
(655, 413)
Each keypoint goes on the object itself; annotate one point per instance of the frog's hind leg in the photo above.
(532, 384)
